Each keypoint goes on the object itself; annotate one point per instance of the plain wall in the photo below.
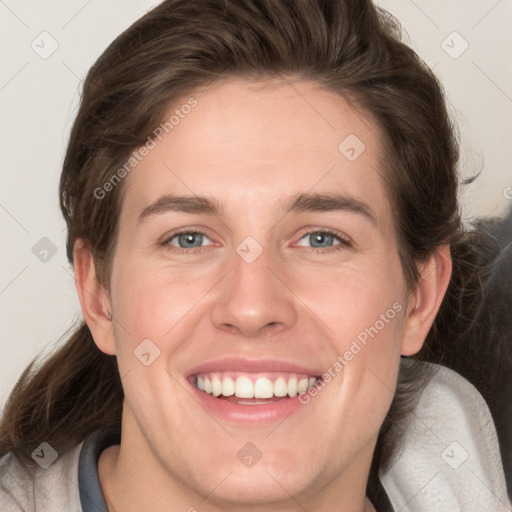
(39, 97)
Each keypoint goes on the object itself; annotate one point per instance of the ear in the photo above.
(425, 300)
(94, 299)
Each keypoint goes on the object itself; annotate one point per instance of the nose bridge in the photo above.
(252, 298)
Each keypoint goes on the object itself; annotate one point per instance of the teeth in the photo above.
(228, 386)
(292, 387)
(243, 386)
(280, 387)
(216, 386)
(263, 388)
(302, 385)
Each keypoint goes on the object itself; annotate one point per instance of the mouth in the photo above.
(252, 392)
(246, 388)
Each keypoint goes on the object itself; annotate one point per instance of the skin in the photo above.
(251, 147)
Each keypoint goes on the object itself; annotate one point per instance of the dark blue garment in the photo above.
(91, 497)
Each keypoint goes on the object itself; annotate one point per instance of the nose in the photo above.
(254, 298)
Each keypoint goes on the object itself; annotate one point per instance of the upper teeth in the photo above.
(253, 385)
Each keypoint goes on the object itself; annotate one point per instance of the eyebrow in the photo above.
(303, 202)
(330, 202)
(184, 204)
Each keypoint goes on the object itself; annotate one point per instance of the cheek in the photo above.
(363, 309)
(151, 300)
(357, 302)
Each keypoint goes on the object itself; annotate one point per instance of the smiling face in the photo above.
(257, 251)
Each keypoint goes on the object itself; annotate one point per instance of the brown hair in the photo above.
(349, 47)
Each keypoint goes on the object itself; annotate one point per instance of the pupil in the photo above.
(323, 239)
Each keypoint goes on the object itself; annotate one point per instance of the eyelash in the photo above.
(345, 242)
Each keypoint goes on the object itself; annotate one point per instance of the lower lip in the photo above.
(268, 413)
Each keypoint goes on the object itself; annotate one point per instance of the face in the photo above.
(257, 254)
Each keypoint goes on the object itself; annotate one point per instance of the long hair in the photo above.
(349, 47)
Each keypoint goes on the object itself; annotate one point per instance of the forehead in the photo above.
(253, 144)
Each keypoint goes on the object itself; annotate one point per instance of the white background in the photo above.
(38, 99)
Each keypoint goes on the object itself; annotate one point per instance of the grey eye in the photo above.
(188, 240)
(319, 239)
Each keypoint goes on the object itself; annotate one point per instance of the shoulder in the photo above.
(450, 458)
(27, 488)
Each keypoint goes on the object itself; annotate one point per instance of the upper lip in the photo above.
(252, 366)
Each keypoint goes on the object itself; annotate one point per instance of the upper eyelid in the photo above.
(336, 234)
(344, 240)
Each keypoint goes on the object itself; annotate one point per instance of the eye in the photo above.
(324, 239)
(187, 240)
